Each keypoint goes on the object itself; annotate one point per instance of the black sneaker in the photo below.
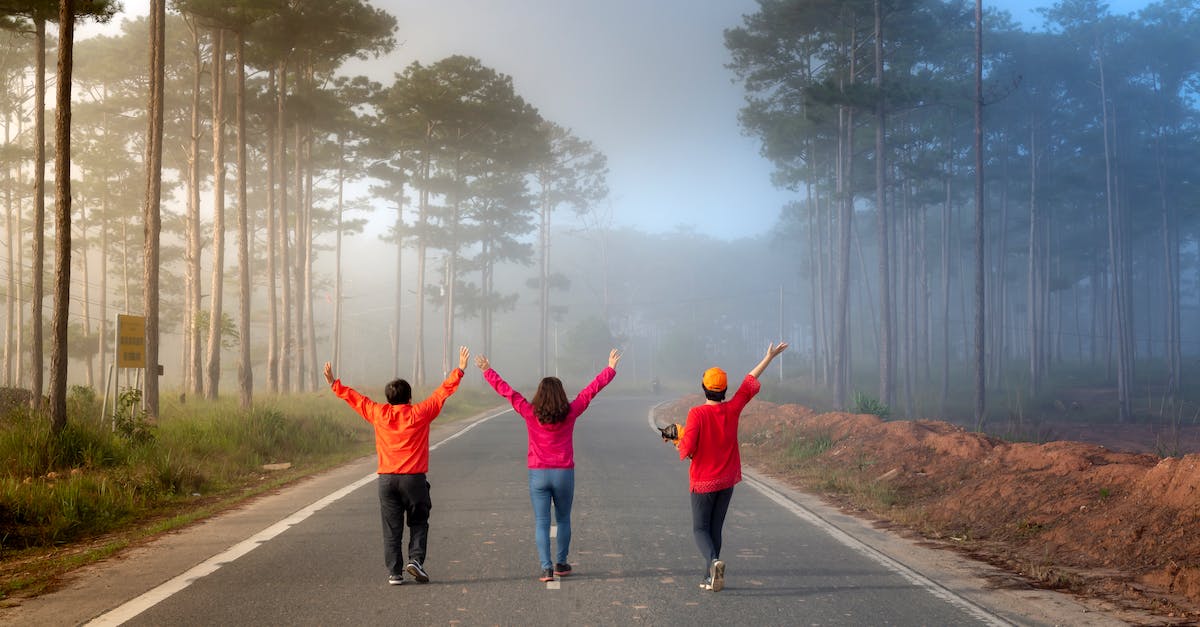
(547, 575)
(717, 573)
(418, 573)
(395, 580)
(562, 570)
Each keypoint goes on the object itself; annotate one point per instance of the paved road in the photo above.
(633, 553)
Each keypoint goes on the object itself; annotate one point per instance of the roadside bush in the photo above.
(864, 404)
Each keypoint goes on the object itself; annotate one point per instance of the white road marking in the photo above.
(870, 552)
(152, 597)
(553, 531)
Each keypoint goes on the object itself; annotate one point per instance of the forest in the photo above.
(226, 170)
(1078, 207)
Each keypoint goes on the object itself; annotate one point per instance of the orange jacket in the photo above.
(401, 431)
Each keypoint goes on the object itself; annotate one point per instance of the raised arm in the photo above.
(773, 351)
(519, 404)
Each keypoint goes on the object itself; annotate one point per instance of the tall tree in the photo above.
(153, 208)
(980, 401)
(62, 217)
(573, 173)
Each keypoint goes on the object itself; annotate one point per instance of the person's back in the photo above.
(402, 444)
(550, 425)
(709, 440)
(401, 430)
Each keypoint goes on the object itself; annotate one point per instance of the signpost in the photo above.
(130, 342)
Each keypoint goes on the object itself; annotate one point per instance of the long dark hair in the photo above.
(550, 403)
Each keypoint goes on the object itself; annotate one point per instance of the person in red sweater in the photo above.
(710, 440)
(402, 442)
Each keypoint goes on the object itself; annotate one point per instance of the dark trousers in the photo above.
(708, 518)
(404, 497)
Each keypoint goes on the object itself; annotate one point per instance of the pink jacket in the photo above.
(550, 446)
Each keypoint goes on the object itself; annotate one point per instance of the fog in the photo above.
(685, 181)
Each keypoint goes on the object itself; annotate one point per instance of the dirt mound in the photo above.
(1123, 526)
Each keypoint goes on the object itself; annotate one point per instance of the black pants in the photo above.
(708, 518)
(404, 497)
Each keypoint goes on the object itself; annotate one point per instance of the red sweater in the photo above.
(710, 439)
(401, 431)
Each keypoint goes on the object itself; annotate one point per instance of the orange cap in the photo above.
(715, 380)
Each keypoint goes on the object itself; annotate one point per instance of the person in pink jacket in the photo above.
(550, 422)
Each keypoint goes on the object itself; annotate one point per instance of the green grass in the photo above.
(807, 446)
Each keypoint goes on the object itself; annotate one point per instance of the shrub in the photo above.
(864, 404)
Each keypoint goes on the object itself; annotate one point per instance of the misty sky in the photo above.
(644, 80)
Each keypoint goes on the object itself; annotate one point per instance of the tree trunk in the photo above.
(36, 348)
(62, 220)
(153, 214)
(245, 369)
(298, 272)
(980, 401)
(193, 364)
(422, 217)
(1034, 296)
(13, 245)
(886, 342)
(310, 363)
(272, 235)
(399, 280)
(285, 262)
(845, 191)
(544, 284)
(946, 297)
(1116, 263)
(213, 363)
(1170, 247)
(85, 279)
(336, 350)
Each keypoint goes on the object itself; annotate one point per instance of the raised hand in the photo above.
(329, 373)
(773, 351)
(613, 357)
(482, 362)
(463, 354)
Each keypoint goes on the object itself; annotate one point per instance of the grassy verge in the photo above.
(100, 487)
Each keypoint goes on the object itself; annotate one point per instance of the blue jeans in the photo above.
(555, 485)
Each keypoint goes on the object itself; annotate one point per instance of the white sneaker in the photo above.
(717, 572)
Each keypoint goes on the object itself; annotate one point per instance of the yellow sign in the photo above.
(131, 341)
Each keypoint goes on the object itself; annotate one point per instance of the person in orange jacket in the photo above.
(402, 442)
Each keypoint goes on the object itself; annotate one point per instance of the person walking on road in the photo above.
(710, 440)
(402, 443)
(550, 422)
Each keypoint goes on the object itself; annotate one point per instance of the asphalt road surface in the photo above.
(314, 557)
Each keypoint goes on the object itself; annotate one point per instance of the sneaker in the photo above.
(562, 570)
(418, 573)
(717, 573)
(706, 583)
(547, 575)
(395, 580)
